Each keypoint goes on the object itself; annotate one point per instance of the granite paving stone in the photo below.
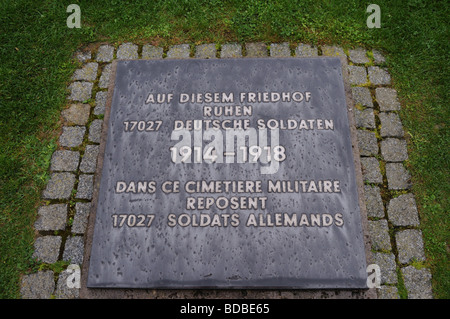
(388, 292)
(379, 76)
(80, 219)
(85, 187)
(60, 186)
(180, 51)
(87, 73)
(72, 136)
(387, 99)
(397, 176)
(256, 50)
(152, 52)
(371, 170)
(417, 283)
(280, 50)
(231, 50)
(358, 56)
(305, 50)
(374, 203)
(104, 78)
(388, 267)
(391, 125)
(95, 131)
(74, 250)
(206, 51)
(332, 51)
(409, 245)
(367, 142)
(127, 51)
(378, 58)
(379, 235)
(358, 74)
(83, 56)
(80, 91)
(394, 150)
(46, 248)
(361, 95)
(51, 217)
(63, 291)
(100, 102)
(65, 160)
(365, 118)
(105, 53)
(89, 161)
(39, 285)
(77, 114)
(402, 211)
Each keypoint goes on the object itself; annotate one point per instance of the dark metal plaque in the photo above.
(228, 174)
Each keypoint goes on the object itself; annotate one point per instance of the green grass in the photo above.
(36, 65)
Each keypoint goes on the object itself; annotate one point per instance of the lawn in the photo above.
(36, 49)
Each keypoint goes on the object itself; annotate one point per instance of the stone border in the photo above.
(393, 219)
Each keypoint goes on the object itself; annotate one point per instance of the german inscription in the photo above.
(228, 174)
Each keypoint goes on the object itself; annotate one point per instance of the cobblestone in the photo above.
(89, 161)
(104, 78)
(417, 283)
(394, 150)
(51, 217)
(371, 170)
(409, 245)
(256, 50)
(80, 220)
(402, 211)
(388, 267)
(46, 248)
(62, 288)
(374, 203)
(388, 292)
(77, 114)
(105, 53)
(181, 51)
(80, 91)
(361, 95)
(100, 102)
(305, 50)
(367, 142)
(127, 51)
(74, 250)
(87, 73)
(391, 126)
(365, 118)
(358, 74)
(151, 52)
(72, 136)
(379, 235)
(280, 50)
(378, 58)
(333, 51)
(85, 186)
(39, 285)
(231, 50)
(358, 56)
(95, 131)
(387, 99)
(59, 186)
(64, 160)
(397, 176)
(206, 51)
(379, 76)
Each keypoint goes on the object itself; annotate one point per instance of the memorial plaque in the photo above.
(228, 174)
